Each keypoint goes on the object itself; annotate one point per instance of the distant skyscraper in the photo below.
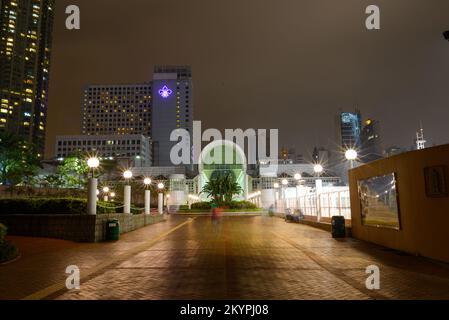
(349, 130)
(371, 149)
(117, 109)
(25, 47)
(420, 142)
(172, 108)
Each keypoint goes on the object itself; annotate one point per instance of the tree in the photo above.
(222, 189)
(18, 159)
(73, 171)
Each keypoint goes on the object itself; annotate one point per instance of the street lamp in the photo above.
(147, 183)
(351, 155)
(298, 178)
(127, 174)
(160, 203)
(105, 193)
(127, 192)
(93, 163)
(318, 168)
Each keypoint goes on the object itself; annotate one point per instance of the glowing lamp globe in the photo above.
(112, 194)
(147, 181)
(318, 168)
(351, 154)
(298, 176)
(276, 185)
(284, 182)
(105, 189)
(160, 186)
(127, 174)
(93, 163)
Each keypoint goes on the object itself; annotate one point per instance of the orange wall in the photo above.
(424, 221)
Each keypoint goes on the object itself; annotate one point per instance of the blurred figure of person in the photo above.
(216, 217)
(271, 211)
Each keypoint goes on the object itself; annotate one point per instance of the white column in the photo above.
(318, 190)
(160, 203)
(127, 200)
(92, 196)
(147, 201)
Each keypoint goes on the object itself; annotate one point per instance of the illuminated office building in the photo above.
(371, 142)
(25, 50)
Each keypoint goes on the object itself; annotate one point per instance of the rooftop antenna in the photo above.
(420, 141)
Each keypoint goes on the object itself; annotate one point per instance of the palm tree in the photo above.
(222, 189)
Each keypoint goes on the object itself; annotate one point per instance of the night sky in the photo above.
(287, 64)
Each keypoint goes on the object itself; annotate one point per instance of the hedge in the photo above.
(234, 205)
(57, 206)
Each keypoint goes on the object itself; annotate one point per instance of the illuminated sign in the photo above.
(165, 92)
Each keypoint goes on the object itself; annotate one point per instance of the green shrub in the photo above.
(3, 231)
(7, 252)
(54, 206)
(184, 208)
(242, 205)
(202, 206)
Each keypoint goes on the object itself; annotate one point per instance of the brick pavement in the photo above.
(246, 258)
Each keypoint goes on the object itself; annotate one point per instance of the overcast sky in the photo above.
(286, 64)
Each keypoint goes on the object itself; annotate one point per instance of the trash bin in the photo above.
(113, 230)
(338, 227)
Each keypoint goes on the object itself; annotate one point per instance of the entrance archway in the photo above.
(223, 157)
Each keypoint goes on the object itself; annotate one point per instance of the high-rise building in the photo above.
(25, 48)
(117, 109)
(371, 142)
(349, 127)
(172, 109)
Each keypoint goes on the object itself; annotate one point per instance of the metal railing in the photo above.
(326, 205)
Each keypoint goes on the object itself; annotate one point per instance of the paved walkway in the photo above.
(242, 258)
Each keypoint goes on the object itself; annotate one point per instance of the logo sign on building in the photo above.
(165, 92)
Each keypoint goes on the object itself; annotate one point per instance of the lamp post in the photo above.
(284, 191)
(160, 202)
(276, 193)
(351, 155)
(92, 163)
(105, 194)
(112, 196)
(147, 183)
(127, 192)
(318, 168)
(298, 178)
